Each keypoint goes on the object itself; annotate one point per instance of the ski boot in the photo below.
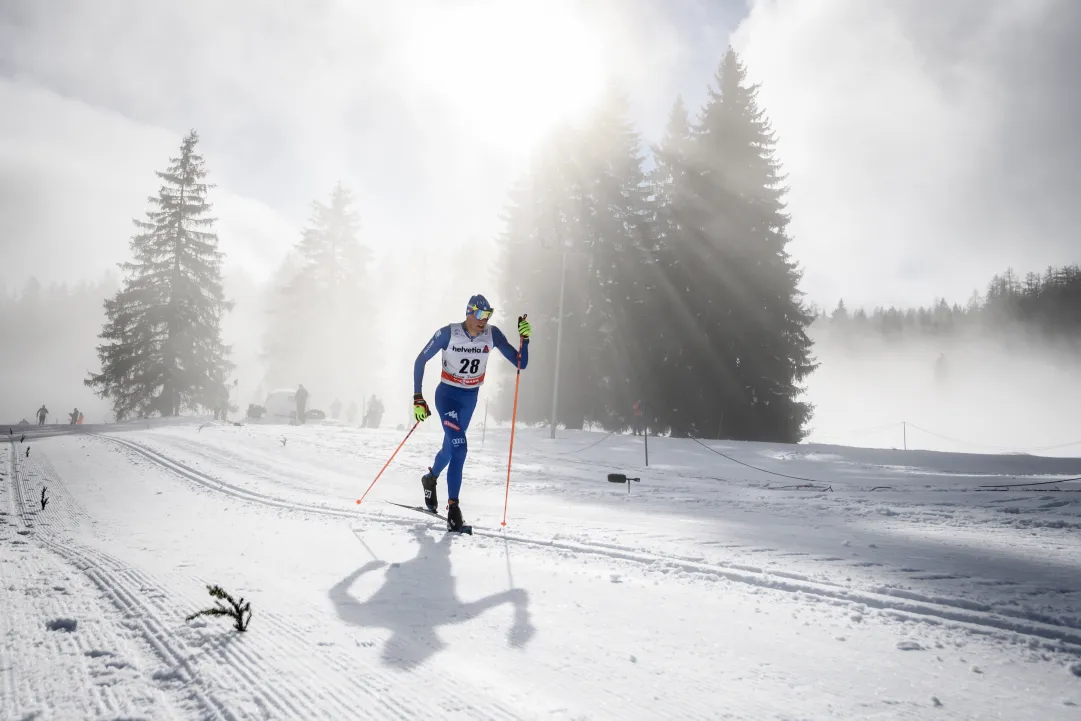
(454, 516)
(431, 498)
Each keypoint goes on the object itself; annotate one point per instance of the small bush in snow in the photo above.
(237, 609)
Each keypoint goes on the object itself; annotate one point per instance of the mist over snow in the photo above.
(993, 394)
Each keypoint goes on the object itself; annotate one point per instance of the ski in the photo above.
(433, 514)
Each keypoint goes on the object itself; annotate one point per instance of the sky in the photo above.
(927, 145)
(426, 109)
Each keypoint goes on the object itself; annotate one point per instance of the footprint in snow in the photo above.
(909, 646)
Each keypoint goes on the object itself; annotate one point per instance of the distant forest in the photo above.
(1048, 303)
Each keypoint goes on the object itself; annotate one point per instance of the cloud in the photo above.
(426, 114)
(928, 145)
(72, 178)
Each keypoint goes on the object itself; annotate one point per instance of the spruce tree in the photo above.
(735, 288)
(162, 349)
(620, 233)
(540, 224)
(318, 305)
(584, 199)
(657, 334)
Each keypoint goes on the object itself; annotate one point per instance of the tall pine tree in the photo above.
(540, 223)
(734, 286)
(657, 336)
(318, 305)
(162, 349)
(618, 227)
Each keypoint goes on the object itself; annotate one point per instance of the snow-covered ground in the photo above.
(889, 589)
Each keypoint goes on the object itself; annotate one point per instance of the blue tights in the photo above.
(455, 407)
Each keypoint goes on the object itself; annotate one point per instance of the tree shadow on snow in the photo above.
(416, 597)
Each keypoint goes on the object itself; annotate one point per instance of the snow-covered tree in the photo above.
(162, 349)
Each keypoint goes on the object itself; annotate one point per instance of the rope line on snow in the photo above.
(1007, 449)
(760, 470)
(990, 447)
(813, 480)
(1038, 483)
(568, 453)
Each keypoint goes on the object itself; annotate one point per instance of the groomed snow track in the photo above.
(219, 674)
(956, 613)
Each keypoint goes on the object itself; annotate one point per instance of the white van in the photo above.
(282, 402)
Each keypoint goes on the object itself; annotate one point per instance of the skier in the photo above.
(42, 413)
(466, 347)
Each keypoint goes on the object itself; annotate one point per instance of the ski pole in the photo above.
(513, 417)
(359, 500)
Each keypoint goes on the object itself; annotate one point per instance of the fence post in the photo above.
(645, 431)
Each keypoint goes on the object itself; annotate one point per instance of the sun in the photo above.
(509, 70)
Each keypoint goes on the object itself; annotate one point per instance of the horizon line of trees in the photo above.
(1048, 303)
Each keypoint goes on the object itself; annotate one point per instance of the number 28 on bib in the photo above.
(465, 358)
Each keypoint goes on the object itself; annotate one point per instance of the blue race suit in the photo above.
(456, 396)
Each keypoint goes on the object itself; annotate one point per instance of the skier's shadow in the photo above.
(418, 596)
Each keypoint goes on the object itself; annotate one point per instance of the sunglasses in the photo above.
(480, 314)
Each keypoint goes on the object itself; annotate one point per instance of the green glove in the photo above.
(420, 407)
(524, 329)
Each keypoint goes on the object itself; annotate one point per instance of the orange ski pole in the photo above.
(513, 417)
(389, 460)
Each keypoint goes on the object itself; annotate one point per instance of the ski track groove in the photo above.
(956, 612)
(112, 587)
(366, 691)
(126, 588)
(96, 666)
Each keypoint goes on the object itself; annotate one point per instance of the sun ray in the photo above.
(508, 71)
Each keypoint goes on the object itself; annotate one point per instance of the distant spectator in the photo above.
(302, 402)
(374, 413)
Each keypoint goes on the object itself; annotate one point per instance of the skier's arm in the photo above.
(509, 351)
(438, 342)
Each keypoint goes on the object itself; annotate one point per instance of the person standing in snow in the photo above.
(374, 414)
(465, 347)
(42, 413)
(302, 401)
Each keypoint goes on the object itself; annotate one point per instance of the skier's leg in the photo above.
(443, 404)
(467, 402)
